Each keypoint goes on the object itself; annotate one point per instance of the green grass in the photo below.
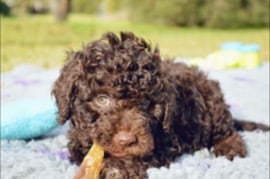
(42, 41)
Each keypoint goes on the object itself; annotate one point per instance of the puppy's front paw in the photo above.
(112, 173)
(113, 169)
(230, 147)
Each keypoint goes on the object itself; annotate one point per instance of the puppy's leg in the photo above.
(113, 168)
(78, 145)
(231, 146)
(77, 151)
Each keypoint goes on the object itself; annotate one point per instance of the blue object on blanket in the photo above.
(28, 118)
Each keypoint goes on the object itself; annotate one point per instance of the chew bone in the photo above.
(91, 164)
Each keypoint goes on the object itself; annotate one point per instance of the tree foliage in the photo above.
(208, 13)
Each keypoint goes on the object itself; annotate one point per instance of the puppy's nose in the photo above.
(125, 138)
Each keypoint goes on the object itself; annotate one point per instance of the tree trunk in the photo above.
(60, 9)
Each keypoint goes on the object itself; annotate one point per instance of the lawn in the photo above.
(42, 41)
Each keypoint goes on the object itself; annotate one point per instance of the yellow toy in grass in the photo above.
(231, 55)
(91, 164)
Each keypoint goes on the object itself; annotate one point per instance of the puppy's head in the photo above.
(113, 92)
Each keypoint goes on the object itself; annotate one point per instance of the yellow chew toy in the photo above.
(91, 164)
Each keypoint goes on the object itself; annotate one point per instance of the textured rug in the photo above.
(247, 91)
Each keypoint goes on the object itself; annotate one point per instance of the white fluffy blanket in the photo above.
(247, 91)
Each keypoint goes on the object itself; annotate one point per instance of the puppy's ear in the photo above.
(64, 88)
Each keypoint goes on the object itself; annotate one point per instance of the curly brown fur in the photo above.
(144, 111)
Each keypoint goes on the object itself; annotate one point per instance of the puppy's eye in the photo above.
(103, 100)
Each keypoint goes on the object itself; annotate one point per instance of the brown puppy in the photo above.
(144, 111)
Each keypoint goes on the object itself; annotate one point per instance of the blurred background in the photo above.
(39, 32)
